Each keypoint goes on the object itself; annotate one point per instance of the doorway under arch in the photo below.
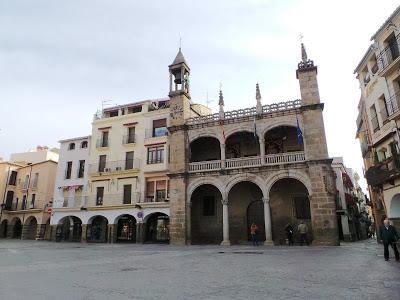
(70, 229)
(31, 231)
(17, 228)
(157, 228)
(98, 230)
(126, 229)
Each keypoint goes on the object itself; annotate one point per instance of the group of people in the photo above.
(302, 228)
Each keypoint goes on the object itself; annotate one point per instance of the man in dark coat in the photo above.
(388, 236)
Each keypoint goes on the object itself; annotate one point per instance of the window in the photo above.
(134, 109)
(9, 200)
(155, 155)
(33, 201)
(394, 46)
(13, 178)
(160, 127)
(26, 182)
(302, 205)
(71, 146)
(68, 171)
(23, 202)
(129, 160)
(84, 144)
(131, 135)
(385, 110)
(99, 195)
(35, 180)
(81, 170)
(149, 191)
(104, 139)
(374, 118)
(102, 162)
(161, 190)
(113, 113)
(208, 206)
(127, 194)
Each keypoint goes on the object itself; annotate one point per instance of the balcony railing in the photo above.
(384, 114)
(395, 102)
(129, 139)
(112, 199)
(115, 166)
(101, 143)
(151, 133)
(246, 162)
(389, 54)
(246, 112)
(74, 201)
(149, 199)
(384, 171)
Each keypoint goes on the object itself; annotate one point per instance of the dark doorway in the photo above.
(32, 228)
(70, 229)
(98, 230)
(126, 229)
(255, 213)
(17, 230)
(3, 229)
(157, 228)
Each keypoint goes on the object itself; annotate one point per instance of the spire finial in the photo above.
(258, 98)
(221, 103)
(258, 94)
(303, 53)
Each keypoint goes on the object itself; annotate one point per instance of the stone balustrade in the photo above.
(246, 162)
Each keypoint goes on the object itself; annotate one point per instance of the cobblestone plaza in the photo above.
(48, 270)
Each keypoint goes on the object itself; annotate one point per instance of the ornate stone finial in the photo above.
(221, 99)
(303, 53)
(305, 64)
(221, 105)
(258, 98)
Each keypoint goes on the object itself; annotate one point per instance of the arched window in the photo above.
(71, 146)
(84, 144)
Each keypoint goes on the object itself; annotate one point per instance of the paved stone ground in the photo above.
(45, 270)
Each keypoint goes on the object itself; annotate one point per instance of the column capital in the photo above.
(224, 201)
(265, 200)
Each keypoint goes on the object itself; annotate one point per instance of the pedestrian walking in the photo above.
(303, 229)
(253, 233)
(289, 233)
(388, 236)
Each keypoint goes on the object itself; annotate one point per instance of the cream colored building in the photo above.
(378, 121)
(27, 201)
(127, 195)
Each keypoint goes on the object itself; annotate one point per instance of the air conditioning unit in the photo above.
(118, 168)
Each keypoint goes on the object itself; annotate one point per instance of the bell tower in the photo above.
(179, 94)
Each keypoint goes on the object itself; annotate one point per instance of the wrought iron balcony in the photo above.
(113, 199)
(129, 139)
(115, 166)
(152, 133)
(389, 54)
(383, 172)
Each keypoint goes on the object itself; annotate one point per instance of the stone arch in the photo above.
(215, 181)
(205, 148)
(273, 178)
(122, 215)
(30, 228)
(209, 133)
(394, 208)
(243, 128)
(29, 220)
(156, 228)
(125, 228)
(279, 123)
(257, 180)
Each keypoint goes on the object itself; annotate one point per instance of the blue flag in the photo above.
(299, 133)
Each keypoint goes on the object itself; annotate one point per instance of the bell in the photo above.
(178, 78)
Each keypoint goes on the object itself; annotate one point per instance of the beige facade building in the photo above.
(27, 201)
(378, 121)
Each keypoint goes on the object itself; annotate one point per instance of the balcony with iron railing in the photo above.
(248, 162)
(74, 202)
(375, 123)
(384, 171)
(155, 133)
(389, 57)
(113, 199)
(159, 196)
(129, 139)
(102, 143)
(115, 166)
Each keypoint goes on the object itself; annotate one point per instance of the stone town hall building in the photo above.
(232, 168)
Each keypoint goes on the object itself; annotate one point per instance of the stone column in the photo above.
(262, 150)
(267, 222)
(223, 158)
(10, 231)
(111, 233)
(139, 232)
(40, 232)
(225, 222)
(84, 233)
(25, 232)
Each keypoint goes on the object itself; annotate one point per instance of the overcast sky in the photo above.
(60, 59)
